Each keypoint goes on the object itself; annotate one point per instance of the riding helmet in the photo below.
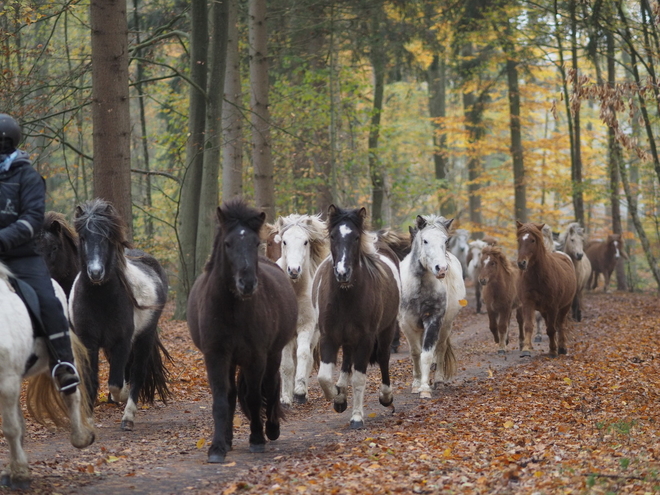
(9, 129)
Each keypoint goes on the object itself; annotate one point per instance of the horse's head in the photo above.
(300, 236)
(272, 240)
(530, 243)
(239, 230)
(57, 241)
(614, 244)
(572, 241)
(346, 228)
(431, 243)
(102, 239)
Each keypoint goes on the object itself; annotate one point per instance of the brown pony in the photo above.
(547, 285)
(604, 256)
(271, 246)
(499, 276)
(57, 243)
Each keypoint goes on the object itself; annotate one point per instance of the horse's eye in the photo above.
(306, 243)
(284, 242)
(425, 241)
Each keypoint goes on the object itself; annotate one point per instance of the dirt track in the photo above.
(164, 454)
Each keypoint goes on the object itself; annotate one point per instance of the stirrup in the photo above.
(75, 374)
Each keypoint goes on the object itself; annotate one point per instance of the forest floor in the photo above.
(583, 423)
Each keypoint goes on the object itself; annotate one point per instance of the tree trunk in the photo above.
(576, 168)
(209, 196)
(520, 200)
(437, 78)
(192, 179)
(614, 159)
(232, 118)
(375, 169)
(110, 106)
(264, 186)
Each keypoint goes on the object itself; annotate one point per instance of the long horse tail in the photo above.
(157, 374)
(45, 403)
(449, 368)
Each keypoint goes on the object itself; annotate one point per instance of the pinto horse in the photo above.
(242, 311)
(499, 276)
(432, 288)
(547, 284)
(304, 246)
(571, 242)
(24, 356)
(115, 304)
(603, 256)
(356, 293)
(57, 244)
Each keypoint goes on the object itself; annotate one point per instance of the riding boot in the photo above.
(63, 369)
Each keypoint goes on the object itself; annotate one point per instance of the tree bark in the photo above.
(264, 185)
(519, 188)
(232, 118)
(576, 168)
(110, 109)
(192, 179)
(209, 196)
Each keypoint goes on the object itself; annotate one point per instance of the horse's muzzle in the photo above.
(246, 287)
(294, 273)
(440, 273)
(579, 256)
(483, 281)
(522, 265)
(344, 279)
(96, 276)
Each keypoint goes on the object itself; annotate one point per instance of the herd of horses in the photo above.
(272, 300)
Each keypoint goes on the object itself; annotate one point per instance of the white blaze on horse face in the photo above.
(616, 250)
(525, 237)
(487, 260)
(295, 251)
(344, 230)
(434, 251)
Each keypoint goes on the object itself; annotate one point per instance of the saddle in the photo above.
(31, 301)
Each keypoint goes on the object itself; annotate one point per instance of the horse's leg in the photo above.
(551, 329)
(607, 274)
(414, 339)
(575, 308)
(431, 333)
(271, 393)
(287, 371)
(359, 381)
(341, 399)
(503, 330)
(92, 374)
(528, 330)
(17, 474)
(539, 318)
(253, 377)
(307, 339)
(477, 290)
(140, 366)
(218, 373)
(82, 433)
(445, 358)
(231, 404)
(561, 329)
(118, 358)
(492, 325)
(520, 321)
(383, 359)
(327, 368)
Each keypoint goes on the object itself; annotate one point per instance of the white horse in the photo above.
(571, 242)
(432, 291)
(458, 246)
(22, 356)
(473, 263)
(304, 246)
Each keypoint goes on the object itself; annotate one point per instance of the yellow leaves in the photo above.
(229, 464)
(568, 381)
(422, 55)
(371, 415)
(463, 302)
(238, 421)
(200, 443)
(112, 458)
(508, 424)
(447, 453)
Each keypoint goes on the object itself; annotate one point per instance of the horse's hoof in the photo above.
(5, 480)
(394, 349)
(385, 403)
(340, 407)
(127, 425)
(300, 398)
(563, 350)
(501, 352)
(272, 431)
(257, 448)
(216, 458)
(356, 425)
(525, 354)
(425, 395)
(20, 485)
(538, 338)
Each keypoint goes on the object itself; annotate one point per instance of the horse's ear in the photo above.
(262, 218)
(79, 211)
(540, 226)
(447, 223)
(363, 213)
(219, 215)
(519, 224)
(56, 227)
(421, 223)
(332, 210)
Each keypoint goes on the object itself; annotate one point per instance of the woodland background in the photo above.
(483, 110)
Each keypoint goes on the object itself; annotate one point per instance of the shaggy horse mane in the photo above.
(535, 230)
(497, 253)
(53, 217)
(314, 228)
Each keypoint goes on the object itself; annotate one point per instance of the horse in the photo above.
(499, 277)
(432, 288)
(271, 246)
(547, 284)
(304, 246)
(356, 295)
(57, 243)
(551, 246)
(603, 256)
(242, 311)
(115, 303)
(459, 247)
(26, 356)
(473, 263)
(571, 242)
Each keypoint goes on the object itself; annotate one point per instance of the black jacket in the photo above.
(22, 207)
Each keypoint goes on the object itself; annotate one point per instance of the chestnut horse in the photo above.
(571, 242)
(547, 284)
(499, 276)
(604, 255)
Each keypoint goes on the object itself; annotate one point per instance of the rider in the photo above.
(22, 206)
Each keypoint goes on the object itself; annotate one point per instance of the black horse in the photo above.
(114, 305)
(356, 293)
(242, 311)
(58, 246)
